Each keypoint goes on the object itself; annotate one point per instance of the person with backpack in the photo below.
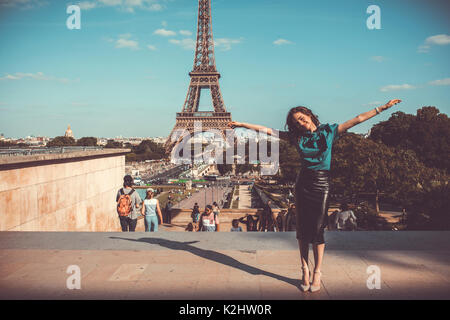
(149, 210)
(128, 202)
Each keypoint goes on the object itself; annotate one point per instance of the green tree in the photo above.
(364, 166)
(148, 150)
(290, 162)
(61, 141)
(87, 141)
(429, 209)
(395, 131)
(426, 134)
(113, 144)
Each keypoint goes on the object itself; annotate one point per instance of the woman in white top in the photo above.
(149, 210)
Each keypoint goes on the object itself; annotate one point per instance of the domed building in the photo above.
(69, 132)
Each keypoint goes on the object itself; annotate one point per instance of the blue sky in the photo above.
(125, 72)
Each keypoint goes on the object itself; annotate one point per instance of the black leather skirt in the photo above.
(311, 200)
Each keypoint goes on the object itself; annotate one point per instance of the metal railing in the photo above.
(52, 150)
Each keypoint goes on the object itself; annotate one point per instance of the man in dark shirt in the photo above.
(167, 211)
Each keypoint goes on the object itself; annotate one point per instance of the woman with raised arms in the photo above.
(314, 142)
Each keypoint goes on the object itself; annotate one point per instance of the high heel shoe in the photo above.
(302, 286)
(315, 288)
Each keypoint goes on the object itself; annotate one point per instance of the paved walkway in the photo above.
(245, 197)
(172, 265)
(209, 194)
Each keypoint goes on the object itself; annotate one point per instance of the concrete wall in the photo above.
(61, 192)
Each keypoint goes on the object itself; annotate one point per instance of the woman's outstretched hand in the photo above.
(234, 124)
(390, 104)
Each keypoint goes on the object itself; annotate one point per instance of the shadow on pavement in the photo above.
(213, 256)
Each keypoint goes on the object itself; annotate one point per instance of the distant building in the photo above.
(69, 132)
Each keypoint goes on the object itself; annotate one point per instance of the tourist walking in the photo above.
(128, 202)
(208, 220)
(314, 142)
(151, 211)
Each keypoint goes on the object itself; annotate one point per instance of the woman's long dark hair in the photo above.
(294, 131)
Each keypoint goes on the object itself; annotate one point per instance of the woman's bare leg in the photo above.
(304, 250)
(318, 250)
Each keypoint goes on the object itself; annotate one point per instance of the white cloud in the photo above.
(122, 5)
(23, 4)
(133, 3)
(125, 35)
(10, 77)
(185, 33)
(34, 76)
(111, 2)
(87, 5)
(164, 32)
(150, 47)
(126, 43)
(393, 87)
(280, 42)
(378, 58)
(439, 40)
(187, 43)
(155, 7)
(226, 43)
(442, 82)
(423, 48)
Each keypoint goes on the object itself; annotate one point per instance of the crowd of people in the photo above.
(207, 221)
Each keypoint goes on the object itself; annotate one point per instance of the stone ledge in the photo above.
(15, 162)
(335, 240)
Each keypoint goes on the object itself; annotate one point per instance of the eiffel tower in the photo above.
(204, 75)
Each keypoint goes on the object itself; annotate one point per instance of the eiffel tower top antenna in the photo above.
(204, 63)
(204, 60)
